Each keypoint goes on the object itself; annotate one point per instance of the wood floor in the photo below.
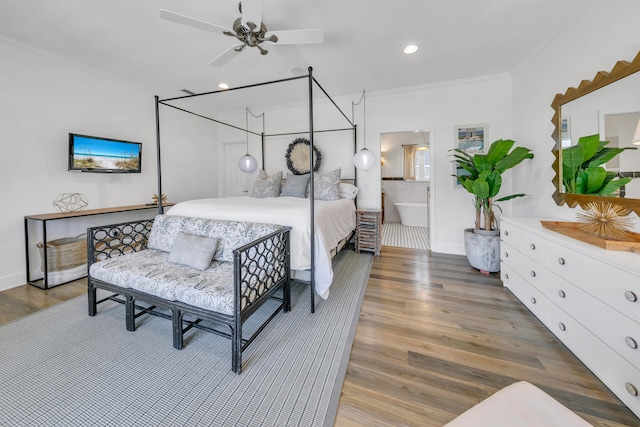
(434, 338)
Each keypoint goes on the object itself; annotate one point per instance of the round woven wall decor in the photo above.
(297, 157)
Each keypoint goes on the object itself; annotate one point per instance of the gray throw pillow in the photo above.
(295, 186)
(327, 187)
(267, 186)
(193, 251)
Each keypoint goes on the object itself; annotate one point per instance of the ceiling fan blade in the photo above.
(226, 56)
(192, 22)
(298, 36)
(252, 12)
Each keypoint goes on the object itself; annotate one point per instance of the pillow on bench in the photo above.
(193, 251)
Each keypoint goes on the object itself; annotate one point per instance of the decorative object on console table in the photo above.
(70, 202)
(586, 296)
(368, 230)
(155, 199)
(482, 177)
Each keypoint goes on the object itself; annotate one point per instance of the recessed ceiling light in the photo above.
(412, 48)
(223, 86)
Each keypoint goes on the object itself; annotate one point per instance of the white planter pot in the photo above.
(483, 249)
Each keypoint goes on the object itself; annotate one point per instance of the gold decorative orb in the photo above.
(606, 220)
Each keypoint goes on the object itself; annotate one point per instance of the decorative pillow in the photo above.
(348, 191)
(193, 251)
(295, 186)
(267, 186)
(326, 187)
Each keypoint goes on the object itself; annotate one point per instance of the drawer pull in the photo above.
(533, 300)
(561, 261)
(506, 276)
(631, 389)
(630, 296)
(506, 232)
(561, 326)
(533, 273)
(532, 247)
(631, 342)
(506, 254)
(561, 293)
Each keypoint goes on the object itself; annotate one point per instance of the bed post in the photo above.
(312, 195)
(158, 155)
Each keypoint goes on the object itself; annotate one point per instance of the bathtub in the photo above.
(413, 214)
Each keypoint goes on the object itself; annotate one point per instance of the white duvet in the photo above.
(334, 221)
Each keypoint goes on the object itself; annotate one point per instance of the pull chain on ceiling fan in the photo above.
(249, 30)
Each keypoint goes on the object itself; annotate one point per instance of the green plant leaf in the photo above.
(572, 159)
(591, 145)
(613, 186)
(513, 196)
(499, 149)
(494, 179)
(481, 162)
(480, 188)
(513, 159)
(595, 179)
(582, 180)
(606, 154)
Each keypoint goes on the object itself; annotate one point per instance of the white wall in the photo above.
(593, 41)
(42, 99)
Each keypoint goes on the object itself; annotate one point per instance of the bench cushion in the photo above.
(151, 272)
(230, 234)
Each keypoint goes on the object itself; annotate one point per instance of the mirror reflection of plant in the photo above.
(484, 177)
(582, 171)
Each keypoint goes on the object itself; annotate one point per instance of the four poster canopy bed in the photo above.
(211, 262)
(319, 208)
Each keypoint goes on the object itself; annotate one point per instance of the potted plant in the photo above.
(482, 177)
(582, 170)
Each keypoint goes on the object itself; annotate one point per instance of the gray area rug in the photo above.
(60, 367)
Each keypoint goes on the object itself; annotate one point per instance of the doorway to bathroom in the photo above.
(406, 195)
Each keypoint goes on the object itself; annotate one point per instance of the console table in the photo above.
(44, 218)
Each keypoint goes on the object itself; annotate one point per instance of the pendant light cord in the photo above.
(246, 123)
(364, 115)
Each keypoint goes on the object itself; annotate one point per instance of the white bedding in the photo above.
(334, 221)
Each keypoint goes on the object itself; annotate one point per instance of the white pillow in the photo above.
(348, 191)
(193, 251)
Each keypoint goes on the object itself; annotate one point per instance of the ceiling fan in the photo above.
(249, 30)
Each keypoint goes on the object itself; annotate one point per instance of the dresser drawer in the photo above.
(619, 289)
(617, 373)
(529, 244)
(533, 272)
(532, 298)
(614, 328)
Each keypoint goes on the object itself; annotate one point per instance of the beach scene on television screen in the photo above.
(93, 153)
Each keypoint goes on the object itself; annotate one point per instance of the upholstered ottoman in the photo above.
(520, 404)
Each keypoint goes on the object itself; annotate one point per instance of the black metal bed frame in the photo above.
(253, 263)
(311, 131)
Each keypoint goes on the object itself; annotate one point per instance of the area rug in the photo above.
(60, 367)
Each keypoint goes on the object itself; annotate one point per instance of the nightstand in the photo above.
(368, 230)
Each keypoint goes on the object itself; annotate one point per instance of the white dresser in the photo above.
(587, 296)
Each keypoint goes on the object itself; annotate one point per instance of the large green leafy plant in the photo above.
(582, 170)
(483, 177)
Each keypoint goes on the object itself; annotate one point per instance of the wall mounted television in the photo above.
(97, 154)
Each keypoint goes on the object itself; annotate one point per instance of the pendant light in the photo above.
(248, 163)
(364, 159)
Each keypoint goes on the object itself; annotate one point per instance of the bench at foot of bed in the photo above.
(147, 280)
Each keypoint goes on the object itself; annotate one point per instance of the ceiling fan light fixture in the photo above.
(223, 86)
(409, 49)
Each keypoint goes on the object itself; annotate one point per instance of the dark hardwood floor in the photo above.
(434, 338)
